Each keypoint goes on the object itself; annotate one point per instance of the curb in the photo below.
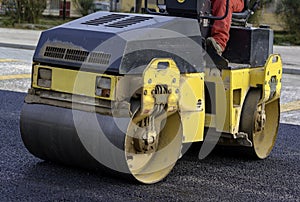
(291, 71)
(17, 46)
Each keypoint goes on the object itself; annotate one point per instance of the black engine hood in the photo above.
(121, 43)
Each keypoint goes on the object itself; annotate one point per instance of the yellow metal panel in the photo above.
(239, 86)
(153, 76)
(273, 69)
(257, 77)
(210, 121)
(222, 86)
(193, 126)
(232, 87)
(35, 77)
(74, 82)
(191, 105)
(68, 82)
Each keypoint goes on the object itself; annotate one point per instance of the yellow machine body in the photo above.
(125, 91)
(186, 91)
(232, 86)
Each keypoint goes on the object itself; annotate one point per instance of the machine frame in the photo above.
(148, 114)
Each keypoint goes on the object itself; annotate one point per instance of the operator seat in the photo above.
(242, 17)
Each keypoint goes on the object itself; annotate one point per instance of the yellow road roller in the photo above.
(125, 92)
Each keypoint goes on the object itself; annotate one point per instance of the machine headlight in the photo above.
(45, 78)
(103, 86)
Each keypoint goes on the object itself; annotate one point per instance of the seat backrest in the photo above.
(246, 4)
(241, 18)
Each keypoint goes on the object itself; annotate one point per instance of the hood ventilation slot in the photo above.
(54, 52)
(76, 55)
(129, 21)
(104, 19)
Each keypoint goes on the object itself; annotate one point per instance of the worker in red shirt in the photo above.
(220, 29)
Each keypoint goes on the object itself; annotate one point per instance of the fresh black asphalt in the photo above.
(222, 176)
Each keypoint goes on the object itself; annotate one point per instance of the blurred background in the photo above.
(283, 16)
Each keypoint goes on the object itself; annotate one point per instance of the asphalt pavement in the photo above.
(222, 176)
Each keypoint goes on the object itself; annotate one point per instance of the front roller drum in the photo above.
(261, 122)
(152, 149)
(144, 149)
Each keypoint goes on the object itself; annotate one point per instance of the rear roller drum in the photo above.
(260, 121)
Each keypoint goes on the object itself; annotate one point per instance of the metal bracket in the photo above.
(243, 139)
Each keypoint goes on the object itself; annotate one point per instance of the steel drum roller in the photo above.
(73, 137)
